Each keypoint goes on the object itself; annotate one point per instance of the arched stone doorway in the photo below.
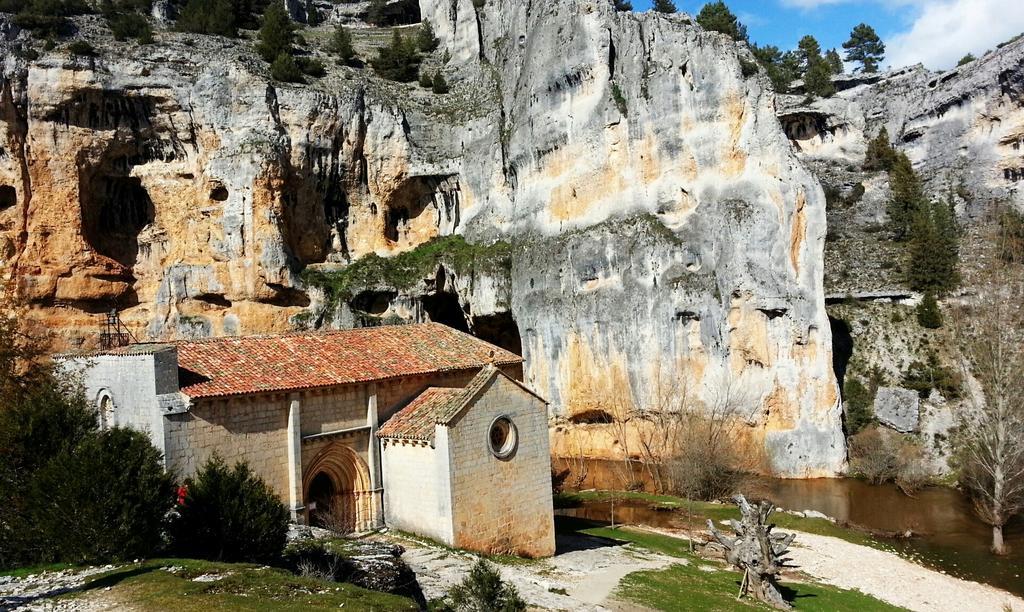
(337, 490)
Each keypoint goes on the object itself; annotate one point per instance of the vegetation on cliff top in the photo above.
(406, 270)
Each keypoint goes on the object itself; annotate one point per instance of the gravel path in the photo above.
(891, 578)
(581, 577)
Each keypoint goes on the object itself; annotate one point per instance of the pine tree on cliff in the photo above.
(425, 39)
(664, 6)
(780, 67)
(835, 62)
(276, 34)
(341, 44)
(934, 249)
(209, 17)
(880, 154)
(808, 51)
(622, 5)
(716, 17)
(907, 196)
(818, 79)
(399, 61)
(865, 48)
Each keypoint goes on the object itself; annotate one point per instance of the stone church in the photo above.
(414, 427)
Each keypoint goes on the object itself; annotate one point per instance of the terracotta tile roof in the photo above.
(260, 364)
(416, 421)
(440, 405)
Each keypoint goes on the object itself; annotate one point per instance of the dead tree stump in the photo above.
(756, 551)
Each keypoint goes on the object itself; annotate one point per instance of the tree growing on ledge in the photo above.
(399, 61)
(276, 34)
(716, 17)
(664, 6)
(865, 48)
(907, 196)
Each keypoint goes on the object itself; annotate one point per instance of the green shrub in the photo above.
(130, 25)
(82, 48)
(928, 314)
(923, 376)
(425, 80)
(483, 590)
(45, 18)
(312, 67)
(398, 61)
(439, 85)
(620, 99)
(219, 17)
(229, 514)
(286, 69)
(858, 404)
(103, 500)
(41, 415)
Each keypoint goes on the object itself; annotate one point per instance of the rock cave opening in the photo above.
(373, 302)
(404, 210)
(842, 348)
(443, 307)
(8, 196)
(114, 211)
(500, 330)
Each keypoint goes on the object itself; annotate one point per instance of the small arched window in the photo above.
(105, 407)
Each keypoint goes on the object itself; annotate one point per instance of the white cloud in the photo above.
(946, 30)
(810, 4)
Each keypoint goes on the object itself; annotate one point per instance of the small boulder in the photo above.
(898, 409)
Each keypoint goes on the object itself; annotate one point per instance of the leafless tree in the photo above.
(990, 444)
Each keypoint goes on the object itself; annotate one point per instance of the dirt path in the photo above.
(893, 579)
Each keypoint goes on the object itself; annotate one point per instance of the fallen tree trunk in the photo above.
(756, 551)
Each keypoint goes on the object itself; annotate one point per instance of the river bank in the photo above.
(945, 534)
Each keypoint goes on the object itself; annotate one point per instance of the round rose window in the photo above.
(503, 437)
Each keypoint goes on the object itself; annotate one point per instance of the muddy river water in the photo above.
(947, 534)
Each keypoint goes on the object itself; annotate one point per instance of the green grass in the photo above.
(687, 586)
(151, 585)
(720, 512)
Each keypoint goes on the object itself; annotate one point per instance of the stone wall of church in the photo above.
(252, 429)
(502, 506)
(417, 488)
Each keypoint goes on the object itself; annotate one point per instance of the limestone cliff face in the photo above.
(658, 231)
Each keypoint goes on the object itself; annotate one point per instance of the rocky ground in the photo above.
(40, 591)
(582, 577)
